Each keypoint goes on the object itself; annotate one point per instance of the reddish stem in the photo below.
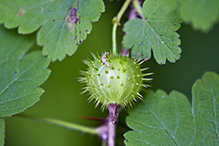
(111, 133)
(132, 15)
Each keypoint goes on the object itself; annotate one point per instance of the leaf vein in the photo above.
(17, 98)
(163, 127)
(39, 4)
(161, 39)
(142, 123)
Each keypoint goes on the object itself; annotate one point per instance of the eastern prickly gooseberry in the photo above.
(113, 79)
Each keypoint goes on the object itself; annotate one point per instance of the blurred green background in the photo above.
(62, 99)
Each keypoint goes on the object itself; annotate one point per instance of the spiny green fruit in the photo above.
(113, 79)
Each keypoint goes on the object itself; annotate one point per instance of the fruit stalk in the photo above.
(116, 22)
(114, 110)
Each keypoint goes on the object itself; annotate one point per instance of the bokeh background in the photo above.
(62, 99)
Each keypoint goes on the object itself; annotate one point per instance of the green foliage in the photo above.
(64, 24)
(20, 74)
(205, 109)
(201, 13)
(156, 32)
(2, 131)
(157, 120)
(170, 120)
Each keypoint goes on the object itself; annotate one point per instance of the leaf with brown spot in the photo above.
(21, 13)
(62, 24)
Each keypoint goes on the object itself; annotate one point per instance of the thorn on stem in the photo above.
(95, 119)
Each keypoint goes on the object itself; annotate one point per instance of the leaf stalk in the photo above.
(138, 8)
(61, 123)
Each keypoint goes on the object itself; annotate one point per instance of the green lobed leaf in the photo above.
(20, 74)
(202, 14)
(64, 23)
(156, 32)
(158, 120)
(170, 120)
(2, 132)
